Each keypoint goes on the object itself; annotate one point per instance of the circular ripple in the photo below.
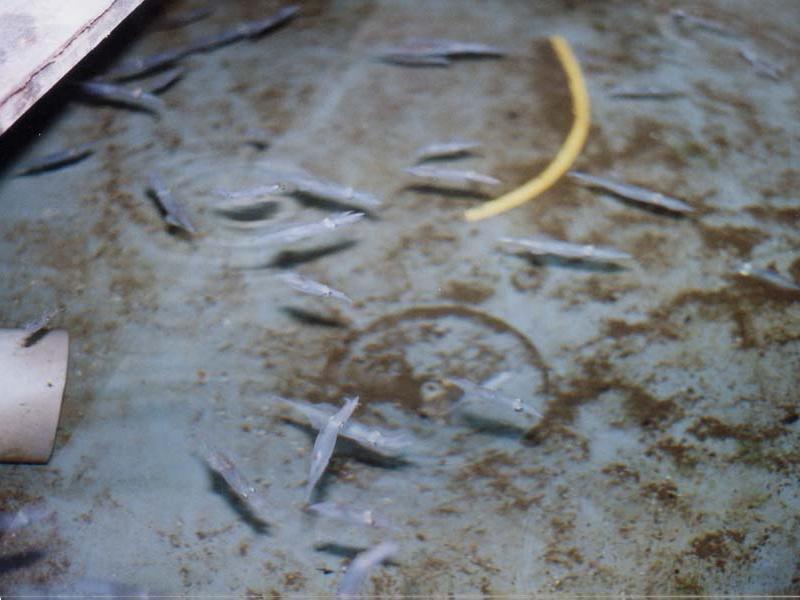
(401, 356)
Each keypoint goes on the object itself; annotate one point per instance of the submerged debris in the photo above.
(59, 158)
(545, 246)
(361, 567)
(632, 192)
(326, 442)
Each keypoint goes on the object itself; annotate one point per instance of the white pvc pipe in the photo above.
(32, 383)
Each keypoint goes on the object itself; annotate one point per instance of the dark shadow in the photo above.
(654, 99)
(307, 317)
(178, 232)
(86, 98)
(310, 201)
(35, 337)
(758, 288)
(53, 165)
(164, 86)
(492, 427)
(270, 30)
(577, 264)
(260, 210)
(447, 192)
(318, 493)
(452, 57)
(536, 435)
(650, 208)
(173, 230)
(20, 560)
(259, 145)
(398, 63)
(366, 455)
(289, 259)
(258, 138)
(346, 551)
(475, 57)
(340, 550)
(39, 118)
(432, 160)
(302, 425)
(221, 487)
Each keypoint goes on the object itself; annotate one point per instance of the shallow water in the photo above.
(667, 459)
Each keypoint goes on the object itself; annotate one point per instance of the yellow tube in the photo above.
(566, 155)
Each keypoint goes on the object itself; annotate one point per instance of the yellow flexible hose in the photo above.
(566, 155)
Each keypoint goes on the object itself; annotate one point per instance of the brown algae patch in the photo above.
(738, 241)
(754, 443)
(468, 292)
(681, 453)
(652, 248)
(647, 142)
(645, 409)
(714, 546)
(619, 473)
(499, 472)
(666, 492)
(794, 269)
(619, 329)
(782, 215)
(582, 389)
(604, 288)
(737, 304)
(596, 379)
(711, 427)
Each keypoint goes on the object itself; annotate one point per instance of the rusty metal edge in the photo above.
(58, 64)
